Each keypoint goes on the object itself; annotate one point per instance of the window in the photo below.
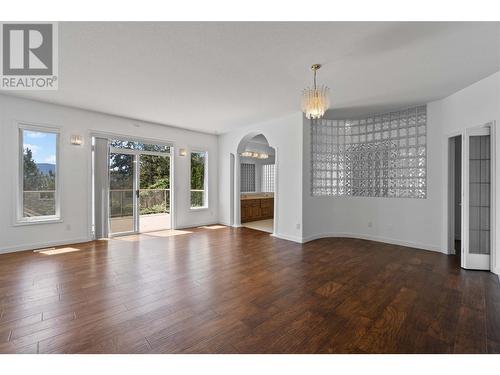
(38, 185)
(247, 180)
(268, 178)
(198, 180)
(377, 156)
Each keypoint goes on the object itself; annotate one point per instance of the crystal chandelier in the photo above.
(255, 155)
(315, 100)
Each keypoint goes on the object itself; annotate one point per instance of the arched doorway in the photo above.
(254, 184)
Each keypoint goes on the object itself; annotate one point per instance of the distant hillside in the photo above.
(45, 168)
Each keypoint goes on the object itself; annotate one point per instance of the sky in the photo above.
(42, 145)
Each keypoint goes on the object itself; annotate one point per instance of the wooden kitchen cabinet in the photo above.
(257, 209)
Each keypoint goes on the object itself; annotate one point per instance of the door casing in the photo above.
(470, 263)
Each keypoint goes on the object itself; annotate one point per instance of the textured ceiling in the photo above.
(214, 77)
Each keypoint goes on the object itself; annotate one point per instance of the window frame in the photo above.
(205, 181)
(45, 219)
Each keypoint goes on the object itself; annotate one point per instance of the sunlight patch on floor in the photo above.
(168, 233)
(161, 233)
(54, 251)
(262, 225)
(213, 227)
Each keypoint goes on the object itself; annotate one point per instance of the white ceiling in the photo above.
(214, 77)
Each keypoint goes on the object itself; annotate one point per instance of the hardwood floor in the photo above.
(231, 290)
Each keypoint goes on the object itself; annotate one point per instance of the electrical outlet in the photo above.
(298, 226)
(370, 224)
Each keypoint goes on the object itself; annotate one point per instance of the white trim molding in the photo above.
(392, 241)
(196, 225)
(41, 245)
(288, 237)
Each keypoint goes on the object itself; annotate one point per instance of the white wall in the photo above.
(410, 222)
(473, 106)
(285, 136)
(75, 170)
(420, 223)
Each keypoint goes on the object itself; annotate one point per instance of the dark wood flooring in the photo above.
(242, 291)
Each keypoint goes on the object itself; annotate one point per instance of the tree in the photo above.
(155, 172)
(31, 174)
(121, 176)
(197, 171)
(38, 188)
(197, 178)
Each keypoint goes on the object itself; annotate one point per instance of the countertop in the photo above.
(246, 197)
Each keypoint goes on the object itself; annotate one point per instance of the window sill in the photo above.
(54, 220)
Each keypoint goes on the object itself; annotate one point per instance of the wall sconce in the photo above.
(76, 140)
(182, 152)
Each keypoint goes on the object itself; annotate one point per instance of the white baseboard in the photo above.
(287, 237)
(378, 239)
(41, 245)
(496, 271)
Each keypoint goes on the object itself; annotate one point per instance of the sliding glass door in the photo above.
(154, 192)
(122, 196)
(139, 187)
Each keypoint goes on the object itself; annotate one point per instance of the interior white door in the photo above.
(477, 197)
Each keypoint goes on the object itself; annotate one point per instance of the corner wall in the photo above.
(420, 223)
(75, 170)
(403, 221)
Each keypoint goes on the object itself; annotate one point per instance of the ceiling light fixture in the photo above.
(256, 155)
(315, 100)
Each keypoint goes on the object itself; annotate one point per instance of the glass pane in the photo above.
(479, 194)
(39, 173)
(154, 193)
(247, 177)
(268, 179)
(198, 162)
(121, 193)
(378, 156)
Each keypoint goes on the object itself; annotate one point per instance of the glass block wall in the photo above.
(376, 156)
(247, 177)
(267, 185)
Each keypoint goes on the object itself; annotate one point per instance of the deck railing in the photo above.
(151, 201)
(39, 202)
